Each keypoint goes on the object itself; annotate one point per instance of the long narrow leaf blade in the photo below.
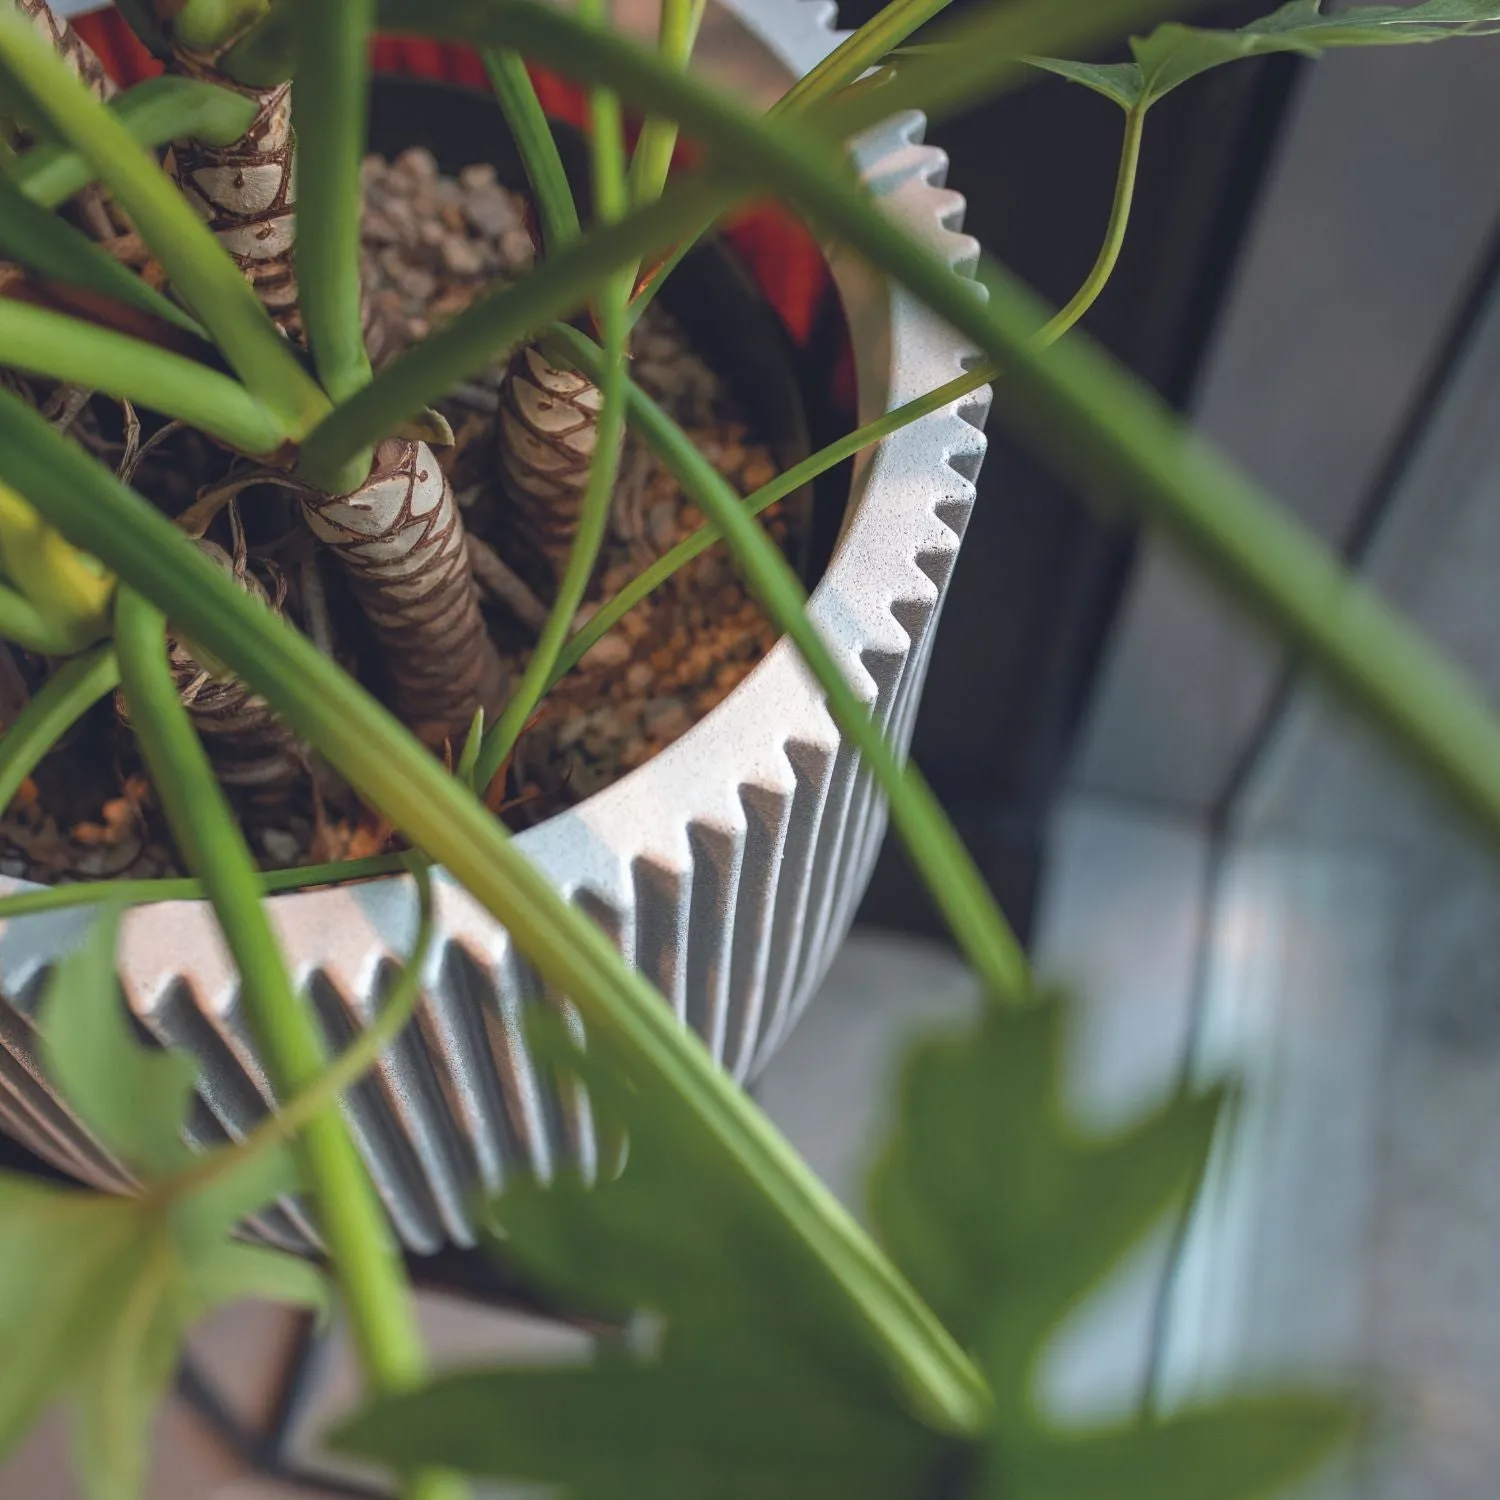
(154, 112)
(58, 347)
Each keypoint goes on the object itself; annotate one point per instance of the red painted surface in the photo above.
(775, 246)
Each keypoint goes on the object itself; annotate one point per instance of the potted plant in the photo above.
(730, 863)
(928, 1392)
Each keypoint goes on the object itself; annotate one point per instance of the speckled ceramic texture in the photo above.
(727, 869)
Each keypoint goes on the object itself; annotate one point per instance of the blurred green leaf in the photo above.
(1233, 1451)
(1173, 53)
(732, 1387)
(1002, 1210)
(97, 1292)
(622, 1430)
(133, 1098)
(750, 1386)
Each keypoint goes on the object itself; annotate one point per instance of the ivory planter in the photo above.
(727, 869)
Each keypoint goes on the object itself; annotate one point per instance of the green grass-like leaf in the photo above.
(61, 701)
(154, 112)
(330, 103)
(550, 190)
(59, 347)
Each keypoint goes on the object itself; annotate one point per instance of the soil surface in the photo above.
(435, 243)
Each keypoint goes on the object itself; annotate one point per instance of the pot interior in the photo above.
(791, 394)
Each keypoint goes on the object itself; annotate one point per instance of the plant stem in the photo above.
(550, 191)
(330, 102)
(150, 892)
(612, 611)
(611, 198)
(62, 700)
(58, 347)
(365, 1257)
(205, 276)
(652, 160)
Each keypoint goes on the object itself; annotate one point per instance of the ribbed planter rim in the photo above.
(727, 869)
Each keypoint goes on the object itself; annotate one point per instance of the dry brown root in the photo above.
(401, 538)
(547, 431)
(253, 753)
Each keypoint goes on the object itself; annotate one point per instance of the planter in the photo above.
(727, 869)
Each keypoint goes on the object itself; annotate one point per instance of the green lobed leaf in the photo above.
(1120, 82)
(97, 1294)
(1000, 1208)
(1239, 1449)
(132, 1097)
(751, 1386)
(1173, 53)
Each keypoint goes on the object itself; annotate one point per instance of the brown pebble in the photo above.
(460, 257)
(607, 652)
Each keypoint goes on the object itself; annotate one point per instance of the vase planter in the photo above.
(727, 869)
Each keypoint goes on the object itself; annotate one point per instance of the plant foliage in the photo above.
(98, 1292)
(733, 1382)
(1172, 54)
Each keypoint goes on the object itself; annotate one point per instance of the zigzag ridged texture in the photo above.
(727, 869)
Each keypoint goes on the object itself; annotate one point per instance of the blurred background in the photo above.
(1228, 871)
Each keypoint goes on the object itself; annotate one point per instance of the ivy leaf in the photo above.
(1000, 1209)
(747, 1389)
(1174, 53)
(1118, 81)
(98, 1292)
(130, 1096)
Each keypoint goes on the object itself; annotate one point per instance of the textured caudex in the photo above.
(251, 749)
(548, 430)
(246, 192)
(402, 540)
(546, 433)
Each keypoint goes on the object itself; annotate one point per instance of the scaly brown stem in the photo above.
(402, 540)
